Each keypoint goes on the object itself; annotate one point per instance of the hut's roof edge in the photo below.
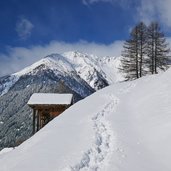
(50, 99)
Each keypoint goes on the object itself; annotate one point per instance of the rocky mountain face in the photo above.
(70, 72)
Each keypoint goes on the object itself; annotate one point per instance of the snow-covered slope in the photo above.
(124, 127)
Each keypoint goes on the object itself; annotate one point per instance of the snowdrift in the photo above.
(124, 127)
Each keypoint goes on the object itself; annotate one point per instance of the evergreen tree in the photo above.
(134, 52)
(146, 50)
(142, 47)
(157, 50)
(130, 56)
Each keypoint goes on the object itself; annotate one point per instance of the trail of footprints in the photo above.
(98, 155)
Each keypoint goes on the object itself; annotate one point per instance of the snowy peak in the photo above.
(53, 62)
(97, 72)
(81, 59)
(69, 63)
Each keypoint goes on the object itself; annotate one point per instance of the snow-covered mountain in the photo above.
(84, 65)
(123, 127)
(70, 72)
(97, 72)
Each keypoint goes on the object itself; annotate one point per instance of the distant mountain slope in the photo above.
(6, 83)
(110, 66)
(92, 68)
(88, 68)
(123, 127)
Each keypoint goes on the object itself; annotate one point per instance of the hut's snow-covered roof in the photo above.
(50, 99)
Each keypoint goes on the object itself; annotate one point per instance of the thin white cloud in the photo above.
(84, 2)
(155, 10)
(24, 28)
(122, 3)
(146, 10)
(20, 57)
(89, 2)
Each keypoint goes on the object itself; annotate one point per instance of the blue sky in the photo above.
(64, 20)
(30, 29)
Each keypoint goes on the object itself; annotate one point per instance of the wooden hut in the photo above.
(47, 106)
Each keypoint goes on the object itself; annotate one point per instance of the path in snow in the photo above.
(98, 156)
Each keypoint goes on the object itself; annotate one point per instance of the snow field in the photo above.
(123, 127)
